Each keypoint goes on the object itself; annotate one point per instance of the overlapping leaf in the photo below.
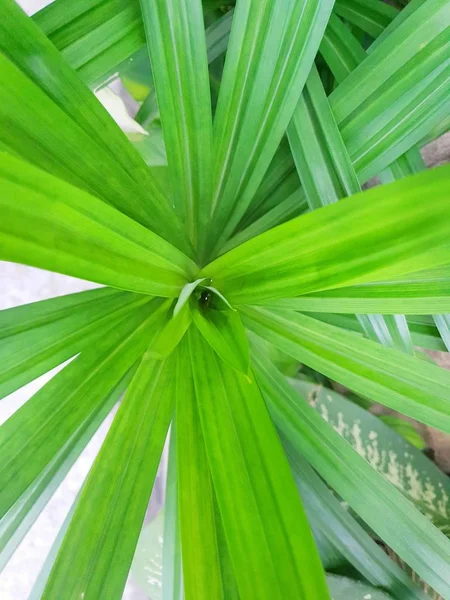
(402, 527)
(177, 47)
(61, 228)
(342, 244)
(97, 551)
(260, 510)
(402, 382)
(257, 98)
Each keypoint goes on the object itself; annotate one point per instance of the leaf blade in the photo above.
(119, 486)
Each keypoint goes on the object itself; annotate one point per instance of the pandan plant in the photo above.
(251, 241)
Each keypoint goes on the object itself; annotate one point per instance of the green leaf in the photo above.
(327, 175)
(223, 330)
(374, 438)
(172, 583)
(269, 56)
(33, 346)
(372, 16)
(61, 228)
(93, 36)
(343, 588)
(329, 247)
(21, 516)
(27, 316)
(411, 535)
(39, 432)
(424, 292)
(74, 137)
(263, 520)
(171, 333)
(97, 551)
(340, 49)
(402, 382)
(443, 325)
(346, 535)
(398, 93)
(406, 11)
(200, 554)
(423, 330)
(323, 164)
(177, 47)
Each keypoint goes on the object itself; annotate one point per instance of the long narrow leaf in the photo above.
(75, 118)
(370, 236)
(402, 527)
(425, 292)
(21, 516)
(97, 551)
(201, 564)
(402, 382)
(346, 534)
(50, 224)
(39, 431)
(177, 47)
(285, 39)
(262, 517)
(33, 351)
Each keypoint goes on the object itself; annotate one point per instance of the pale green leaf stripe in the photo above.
(346, 534)
(328, 248)
(202, 577)
(327, 175)
(50, 224)
(410, 534)
(21, 516)
(31, 352)
(402, 382)
(32, 437)
(98, 548)
(172, 580)
(263, 520)
(422, 293)
(177, 48)
(284, 38)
